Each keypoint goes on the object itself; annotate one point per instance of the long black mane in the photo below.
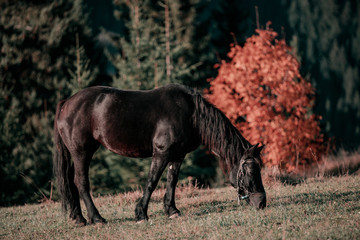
(218, 133)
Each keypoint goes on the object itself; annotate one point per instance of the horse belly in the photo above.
(130, 151)
(124, 141)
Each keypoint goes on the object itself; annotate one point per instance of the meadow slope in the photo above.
(318, 208)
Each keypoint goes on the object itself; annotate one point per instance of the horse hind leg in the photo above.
(75, 208)
(81, 180)
(64, 171)
(169, 197)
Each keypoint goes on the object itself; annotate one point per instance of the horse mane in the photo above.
(218, 133)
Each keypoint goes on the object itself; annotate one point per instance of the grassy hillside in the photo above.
(319, 208)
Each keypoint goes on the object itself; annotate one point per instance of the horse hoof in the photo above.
(175, 215)
(100, 222)
(96, 221)
(141, 221)
(80, 222)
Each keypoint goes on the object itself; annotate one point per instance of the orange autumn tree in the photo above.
(262, 92)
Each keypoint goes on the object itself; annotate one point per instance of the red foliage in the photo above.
(262, 85)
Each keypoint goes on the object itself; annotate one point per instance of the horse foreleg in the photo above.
(81, 179)
(169, 198)
(158, 165)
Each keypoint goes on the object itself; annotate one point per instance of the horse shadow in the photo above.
(120, 220)
(205, 208)
(315, 198)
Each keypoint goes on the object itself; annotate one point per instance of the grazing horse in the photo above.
(164, 123)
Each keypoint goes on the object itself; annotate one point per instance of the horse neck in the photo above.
(217, 132)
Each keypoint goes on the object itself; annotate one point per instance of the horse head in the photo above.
(245, 176)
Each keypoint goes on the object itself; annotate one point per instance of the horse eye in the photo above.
(250, 169)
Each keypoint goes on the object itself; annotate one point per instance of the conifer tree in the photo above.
(152, 53)
(10, 136)
(326, 34)
(213, 28)
(37, 46)
(82, 75)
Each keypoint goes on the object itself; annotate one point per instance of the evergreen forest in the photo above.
(49, 50)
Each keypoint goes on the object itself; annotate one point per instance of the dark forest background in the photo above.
(51, 49)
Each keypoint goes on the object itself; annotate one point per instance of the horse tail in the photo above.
(63, 169)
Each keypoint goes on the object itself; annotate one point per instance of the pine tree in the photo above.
(83, 75)
(152, 54)
(37, 46)
(137, 61)
(10, 136)
(326, 36)
(213, 28)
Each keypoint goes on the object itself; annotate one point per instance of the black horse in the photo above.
(165, 123)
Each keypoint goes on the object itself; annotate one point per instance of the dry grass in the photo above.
(316, 208)
(340, 164)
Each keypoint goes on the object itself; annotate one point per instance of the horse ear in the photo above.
(259, 149)
(256, 150)
(252, 149)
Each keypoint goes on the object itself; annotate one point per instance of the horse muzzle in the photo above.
(258, 200)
